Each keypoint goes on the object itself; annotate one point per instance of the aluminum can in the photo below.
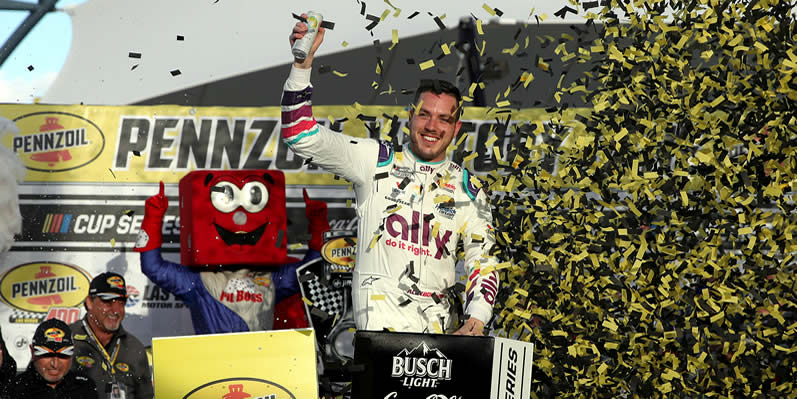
(302, 46)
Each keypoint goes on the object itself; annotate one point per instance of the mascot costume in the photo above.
(235, 273)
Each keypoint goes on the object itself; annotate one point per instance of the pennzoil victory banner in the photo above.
(89, 170)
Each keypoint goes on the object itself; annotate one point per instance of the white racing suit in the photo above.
(412, 215)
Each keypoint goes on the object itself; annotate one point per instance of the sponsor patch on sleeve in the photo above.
(85, 361)
(471, 187)
(385, 154)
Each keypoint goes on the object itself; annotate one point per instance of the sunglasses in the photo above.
(63, 353)
(109, 298)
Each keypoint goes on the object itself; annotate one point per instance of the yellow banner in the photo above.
(147, 144)
(264, 364)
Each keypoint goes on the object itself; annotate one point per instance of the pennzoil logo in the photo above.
(264, 281)
(240, 388)
(341, 251)
(117, 282)
(56, 141)
(54, 334)
(85, 361)
(123, 367)
(38, 286)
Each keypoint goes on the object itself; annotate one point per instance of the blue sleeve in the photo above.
(173, 277)
(286, 282)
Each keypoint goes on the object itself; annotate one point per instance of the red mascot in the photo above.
(235, 273)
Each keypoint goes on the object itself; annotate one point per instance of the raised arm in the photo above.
(352, 158)
(173, 277)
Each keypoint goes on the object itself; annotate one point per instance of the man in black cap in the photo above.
(115, 360)
(48, 374)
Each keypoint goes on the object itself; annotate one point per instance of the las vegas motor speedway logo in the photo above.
(421, 367)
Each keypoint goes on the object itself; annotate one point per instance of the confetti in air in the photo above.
(656, 256)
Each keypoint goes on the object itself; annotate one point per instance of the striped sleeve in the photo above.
(350, 157)
(297, 115)
(483, 281)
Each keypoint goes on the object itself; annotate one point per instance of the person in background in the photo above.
(48, 375)
(8, 366)
(115, 360)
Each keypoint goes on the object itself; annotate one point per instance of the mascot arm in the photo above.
(286, 283)
(173, 277)
(289, 311)
(150, 236)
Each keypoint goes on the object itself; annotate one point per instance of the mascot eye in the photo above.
(254, 196)
(223, 196)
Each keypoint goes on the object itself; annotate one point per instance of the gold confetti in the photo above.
(442, 198)
(661, 209)
(395, 39)
(426, 65)
(512, 50)
(374, 241)
(394, 210)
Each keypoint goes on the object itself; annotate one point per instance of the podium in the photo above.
(263, 364)
(394, 365)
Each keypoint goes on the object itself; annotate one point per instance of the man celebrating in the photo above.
(414, 206)
(115, 360)
(48, 374)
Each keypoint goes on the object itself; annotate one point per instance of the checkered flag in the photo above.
(22, 316)
(324, 301)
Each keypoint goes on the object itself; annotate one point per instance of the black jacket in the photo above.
(9, 368)
(31, 385)
(131, 367)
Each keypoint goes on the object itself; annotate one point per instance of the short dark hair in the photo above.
(438, 86)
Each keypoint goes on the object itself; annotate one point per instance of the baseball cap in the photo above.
(108, 285)
(53, 337)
